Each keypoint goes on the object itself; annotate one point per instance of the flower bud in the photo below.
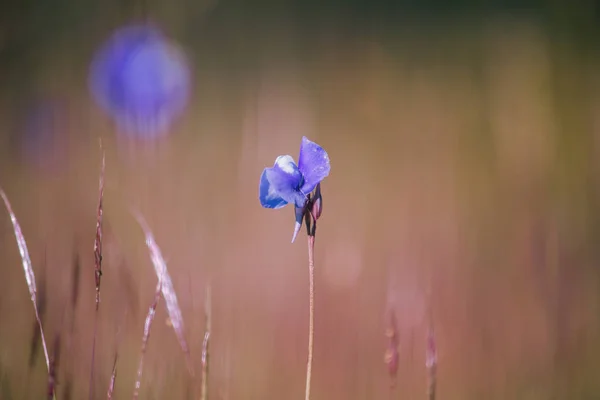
(317, 203)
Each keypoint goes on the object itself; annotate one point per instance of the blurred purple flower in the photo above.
(287, 182)
(141, 79)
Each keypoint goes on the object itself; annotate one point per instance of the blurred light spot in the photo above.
(142, 80)
(406, 296)
(343, 264)
(41, 136)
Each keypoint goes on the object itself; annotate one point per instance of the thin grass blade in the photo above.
(54, 361)
(168, 291)
(205, 344)
(147, 326)
(113, 379)
(98, 240)
(431, 360)
(28, 269)
(97, 268)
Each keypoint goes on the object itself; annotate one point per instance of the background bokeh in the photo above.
(464, 141)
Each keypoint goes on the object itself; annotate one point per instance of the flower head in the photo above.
(141, 79)
(285, 182)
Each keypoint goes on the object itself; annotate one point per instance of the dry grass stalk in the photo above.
(392, 356)
(147, 326)
(205, 343)
(98, 239)
(28, 270)
(113, 378)
(168, 291)
(97, 268)
(431, 363)
(54, 361)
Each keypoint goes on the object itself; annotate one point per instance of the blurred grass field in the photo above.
(465, 164)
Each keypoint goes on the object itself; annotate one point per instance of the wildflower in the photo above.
(287, 182)
(141, 79)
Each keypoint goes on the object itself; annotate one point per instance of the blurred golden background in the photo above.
(465, 152)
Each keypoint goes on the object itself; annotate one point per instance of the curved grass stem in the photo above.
(29, 276)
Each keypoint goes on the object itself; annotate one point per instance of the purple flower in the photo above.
(287, 182)
(141, 79)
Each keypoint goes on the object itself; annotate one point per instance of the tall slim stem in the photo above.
(311, 323)
(431, 361)
(205, 344)
(91, 386)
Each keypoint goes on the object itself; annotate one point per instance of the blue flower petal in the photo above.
(284, 180)
(267, 195)
(313, 162)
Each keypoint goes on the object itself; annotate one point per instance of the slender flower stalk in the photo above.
(312, 212)
(311, 308)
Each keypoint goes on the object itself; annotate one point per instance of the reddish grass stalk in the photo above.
(147, 326)
(392, 356)
(431, 363)
(98, 269)
(53, 365)
(98, 239)
(28, 270)
(52, 380)
(113, 378)
(168, 291)
(205, 343)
